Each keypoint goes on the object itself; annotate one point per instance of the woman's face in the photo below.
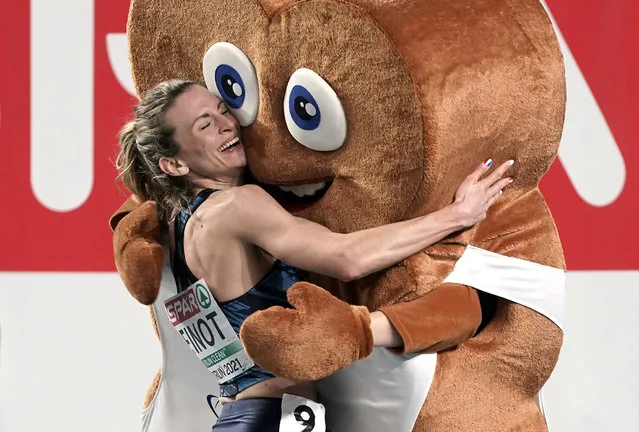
(208, 135)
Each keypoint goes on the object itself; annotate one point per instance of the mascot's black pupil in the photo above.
(300, 108)
(227, 86)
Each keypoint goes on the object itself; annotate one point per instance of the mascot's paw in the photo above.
(139, 255)
(321, 335)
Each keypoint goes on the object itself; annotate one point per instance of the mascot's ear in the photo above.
(137, 246)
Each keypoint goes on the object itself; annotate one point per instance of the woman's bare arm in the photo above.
(255, 217)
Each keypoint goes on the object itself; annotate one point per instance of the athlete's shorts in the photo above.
(250, 415)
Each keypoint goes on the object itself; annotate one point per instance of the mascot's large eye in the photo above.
(313, 112)
(230, 75)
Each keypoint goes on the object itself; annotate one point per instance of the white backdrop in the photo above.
(72, 361)
(77, 353)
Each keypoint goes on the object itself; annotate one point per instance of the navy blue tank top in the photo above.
(269, 291)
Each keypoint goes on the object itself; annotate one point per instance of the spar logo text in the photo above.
(201, 332)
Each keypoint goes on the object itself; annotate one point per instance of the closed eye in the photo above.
(205, 126)
(222, 108)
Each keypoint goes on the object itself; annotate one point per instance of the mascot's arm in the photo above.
(322, 334)
(441, 319)
(137, 247)
(139, 257)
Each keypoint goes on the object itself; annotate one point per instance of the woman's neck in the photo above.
(221, 183)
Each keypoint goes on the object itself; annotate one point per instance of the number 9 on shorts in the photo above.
(301, 415)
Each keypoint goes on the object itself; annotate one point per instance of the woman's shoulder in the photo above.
(235, 194)
(243, 198)
(249, 191)
(223, 205)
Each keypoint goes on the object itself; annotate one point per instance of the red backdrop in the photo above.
(601, 35)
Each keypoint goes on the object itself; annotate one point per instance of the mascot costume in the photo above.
(358, 113)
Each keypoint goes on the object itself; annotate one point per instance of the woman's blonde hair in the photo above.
(144, 141)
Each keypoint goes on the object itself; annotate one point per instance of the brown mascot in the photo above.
(411, 94)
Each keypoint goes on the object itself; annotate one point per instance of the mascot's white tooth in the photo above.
(308, 189)
(311, 189)
(304, 190)
(298, 192)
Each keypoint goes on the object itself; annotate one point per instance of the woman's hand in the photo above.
(475, 195)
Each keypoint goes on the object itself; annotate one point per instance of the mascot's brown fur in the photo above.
(429, 88)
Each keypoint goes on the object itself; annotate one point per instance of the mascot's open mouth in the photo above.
(298, 197)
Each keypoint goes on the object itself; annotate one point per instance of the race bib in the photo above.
(302, 415)
(197, 317)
